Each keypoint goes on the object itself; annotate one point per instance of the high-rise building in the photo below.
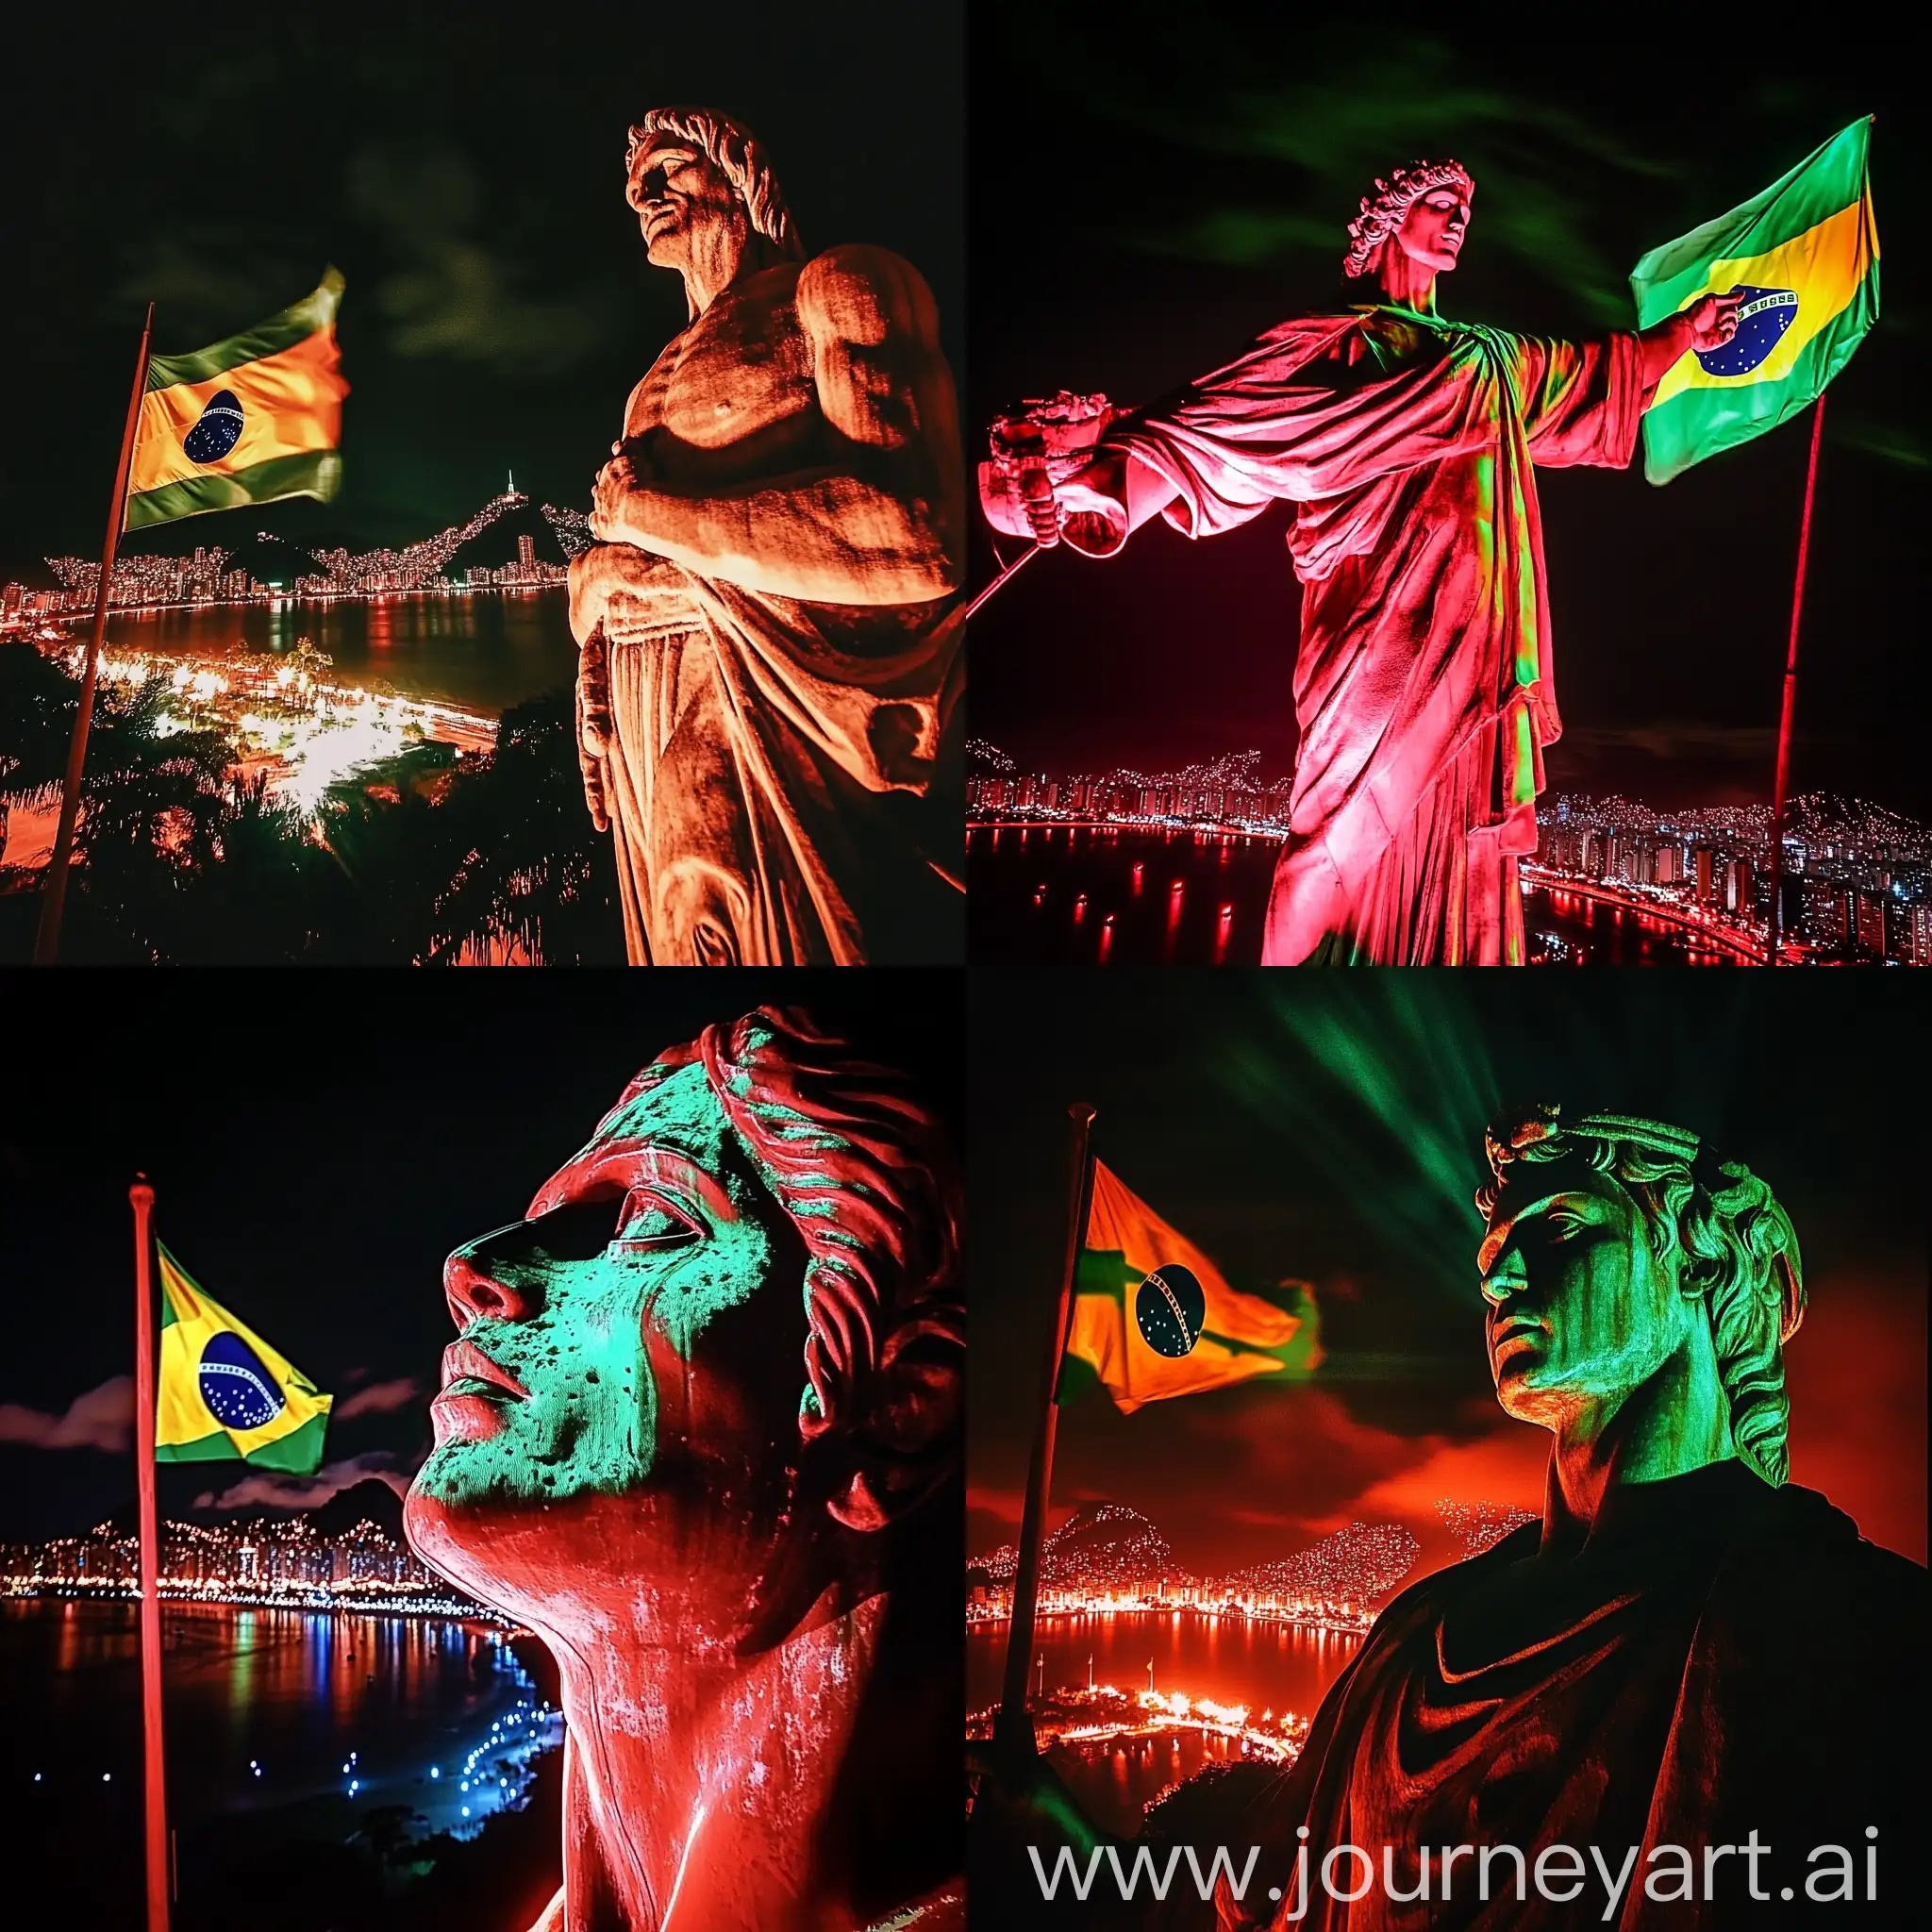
(526, 550)
(1871, 924)
(1706, 860)
(1919, 951)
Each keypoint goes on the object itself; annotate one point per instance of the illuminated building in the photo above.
(1871, 924)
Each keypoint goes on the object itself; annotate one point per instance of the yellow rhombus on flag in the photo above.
(1153, 1317)
(224, 1393)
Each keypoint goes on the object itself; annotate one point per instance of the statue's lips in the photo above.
(1515, 1328)
(467, 1371)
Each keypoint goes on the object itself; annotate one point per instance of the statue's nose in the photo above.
(472, 1290)
(1506, 1275)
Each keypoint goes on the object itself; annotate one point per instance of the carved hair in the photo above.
(861, 1169)
(1384, 212)
(1738, 1251)
(739, 157)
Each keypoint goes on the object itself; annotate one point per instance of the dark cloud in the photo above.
(103, 1418)
(453, 288)
(268, 1491)
(378, 1398)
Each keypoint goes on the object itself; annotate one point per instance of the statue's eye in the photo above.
(647, 1220)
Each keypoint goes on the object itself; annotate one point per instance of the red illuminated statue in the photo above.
(751, 1594)
(1425, 684)
(770, 657)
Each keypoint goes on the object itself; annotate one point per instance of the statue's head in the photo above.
(718, 1358)
(697, 178)
(1422, 209)
(1614, 1244)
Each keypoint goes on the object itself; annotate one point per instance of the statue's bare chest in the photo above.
(731, 394)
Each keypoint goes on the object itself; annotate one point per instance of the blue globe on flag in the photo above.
(236, 1385)
(1169, 1307)
(1762, 317)
(218, 430)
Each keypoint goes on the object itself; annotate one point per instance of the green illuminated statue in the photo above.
(701, 1431)
(1636, 1310)
(1691, 1669)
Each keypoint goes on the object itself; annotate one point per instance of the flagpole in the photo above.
(54, 894)
(143, 1197)
(1013, 1725)
(1784, 729)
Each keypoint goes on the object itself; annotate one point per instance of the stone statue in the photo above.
(770, 646)
(1686, 1650)
(753, 1596)
(1424, 686)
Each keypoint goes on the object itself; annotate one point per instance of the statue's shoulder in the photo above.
(861, 293)
(1796, 1561)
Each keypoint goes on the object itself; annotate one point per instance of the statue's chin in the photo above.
(454, 1541)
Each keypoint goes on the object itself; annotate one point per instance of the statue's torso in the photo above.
(733, 397)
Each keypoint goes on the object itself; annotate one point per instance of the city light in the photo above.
(208, 576)
(1109, 1560)
(1857, 877)
(261, 1564)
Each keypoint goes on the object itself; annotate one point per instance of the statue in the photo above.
(752, 1596)
(1424, 686)
(769, 648)
(1688, 1651)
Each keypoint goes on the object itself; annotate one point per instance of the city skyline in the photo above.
(157, 580)
(1856, 877)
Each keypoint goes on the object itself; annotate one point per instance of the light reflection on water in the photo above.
(263, 1711)
(482, 653)
(1230, 1658)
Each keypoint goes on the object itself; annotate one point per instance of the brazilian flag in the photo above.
(1805, 256)
(1153, 1317)
(251, 420)
(224, 1393)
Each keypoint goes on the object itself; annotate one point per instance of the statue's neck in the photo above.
(720, 254)
(696, 1791)
(1675, 1421)
(1405, 282)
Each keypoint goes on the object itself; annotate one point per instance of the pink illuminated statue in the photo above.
(1424, 684)
(701, 1431)
(770, 649)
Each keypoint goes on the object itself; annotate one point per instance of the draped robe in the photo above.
(1425, 688)
(1724, 1657)
(760, 743)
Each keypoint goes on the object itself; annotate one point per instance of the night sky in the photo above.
(1151, 190)
(315, 1154)
(1331, 1129)
(466, 173)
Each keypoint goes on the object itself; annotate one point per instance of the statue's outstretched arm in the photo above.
(881, 519)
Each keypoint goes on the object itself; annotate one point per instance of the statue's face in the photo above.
(621, 1403)
(1432, 231)
(682, 200)
(1579, 1308)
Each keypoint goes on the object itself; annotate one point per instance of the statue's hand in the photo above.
(596, 729)
(1712, 322)
(1092, 520)
(610, 496)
